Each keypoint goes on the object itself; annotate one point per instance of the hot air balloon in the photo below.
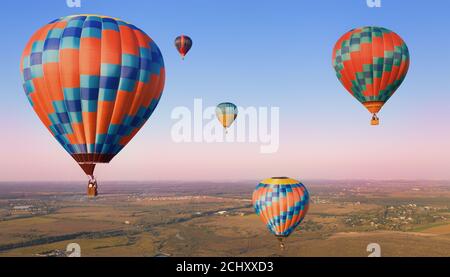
(371, 63)
(281, 203)
(226, 113)
(93, 81)
(183, 44)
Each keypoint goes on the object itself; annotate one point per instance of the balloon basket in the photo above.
(281, 242)
(92, 188)
(375, 120)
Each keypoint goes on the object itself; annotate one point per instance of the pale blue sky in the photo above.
(259, 53)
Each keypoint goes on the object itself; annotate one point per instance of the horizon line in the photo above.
(232, 180)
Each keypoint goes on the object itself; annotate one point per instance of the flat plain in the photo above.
(406, 218)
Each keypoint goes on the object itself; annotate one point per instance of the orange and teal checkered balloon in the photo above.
(371, 63)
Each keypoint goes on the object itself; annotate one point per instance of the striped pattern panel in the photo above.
(93, 81)
(282, 203)
(371, 63)
(226, 113)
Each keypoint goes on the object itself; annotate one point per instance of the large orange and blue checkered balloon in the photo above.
(282, 203)
(371, 63)
(93, 81)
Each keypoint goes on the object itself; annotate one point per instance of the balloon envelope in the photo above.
(282, 203)
(183, 44)
(371, 63)
(226, 113)
(93, 81)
